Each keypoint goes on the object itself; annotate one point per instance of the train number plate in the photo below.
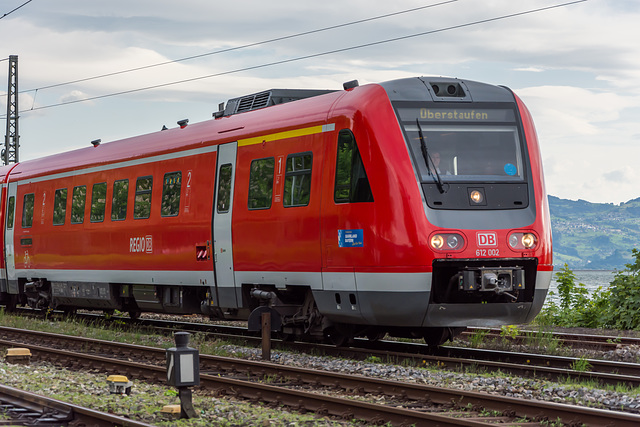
(488, 252)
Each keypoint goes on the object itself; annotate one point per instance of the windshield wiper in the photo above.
(427, 159)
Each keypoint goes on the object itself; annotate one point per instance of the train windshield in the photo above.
(465, 151)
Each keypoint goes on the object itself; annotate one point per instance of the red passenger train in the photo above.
(413, 207)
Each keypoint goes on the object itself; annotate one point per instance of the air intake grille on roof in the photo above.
(266, 99)
(253, 102)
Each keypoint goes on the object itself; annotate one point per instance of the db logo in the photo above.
(487, 239)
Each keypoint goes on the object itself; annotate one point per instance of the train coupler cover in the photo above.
(492, 279)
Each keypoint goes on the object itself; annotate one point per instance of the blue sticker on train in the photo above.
(350, 238)
(510, 169)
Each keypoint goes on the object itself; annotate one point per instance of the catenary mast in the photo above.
(11, 141)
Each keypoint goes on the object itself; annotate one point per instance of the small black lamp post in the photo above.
(183, 371)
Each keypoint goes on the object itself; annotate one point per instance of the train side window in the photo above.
(98, 201)
(352, 184)
(297, 180)
(261, 183)
(119, 200)
(60, 206)
(171, 194)
(78, 201)
(224, 188)
(11, 205)
(142, 204)
(27, 210)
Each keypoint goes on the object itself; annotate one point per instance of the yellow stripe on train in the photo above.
(286, 134)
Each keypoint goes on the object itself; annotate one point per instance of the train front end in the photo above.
(477, 162)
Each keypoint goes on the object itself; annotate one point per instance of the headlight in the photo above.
(452, 241)
(523, 241)
(447, 242)
(476, 196)
(437, 241)
(528, 240)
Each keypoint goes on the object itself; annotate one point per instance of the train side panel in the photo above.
(277, 200)
(69, 237)
(542, 225)
(384, 272)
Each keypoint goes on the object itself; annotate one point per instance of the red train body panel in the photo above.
(327, 211)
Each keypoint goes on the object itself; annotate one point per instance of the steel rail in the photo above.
(296, 399)
(532, 409)
(572, 340)
(569, 339)
(530, 364)
(56, 412)
(627, 369)
(523, 364)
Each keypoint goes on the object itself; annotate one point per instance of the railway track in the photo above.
(594, 342)
(463, 358)
(410, 403)
(517, 363)
(30, 409)
(583, 341)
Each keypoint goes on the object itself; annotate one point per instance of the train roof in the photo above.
(310, 107)
(4, 172)
(252, 115)
(265, 99)
(445, 89)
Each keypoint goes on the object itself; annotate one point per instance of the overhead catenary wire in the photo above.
(11, 11)
(254, 44)
(315, 55)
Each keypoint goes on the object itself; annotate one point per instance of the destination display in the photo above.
(456, 115)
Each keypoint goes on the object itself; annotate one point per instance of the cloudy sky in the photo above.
(576, 66)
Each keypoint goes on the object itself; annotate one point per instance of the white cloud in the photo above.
(626, 174)
(578, 67)
(565, 111)
(72, 96)
(530, 69)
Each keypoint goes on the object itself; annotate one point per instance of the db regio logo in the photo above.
(487, 239)
(141, 244)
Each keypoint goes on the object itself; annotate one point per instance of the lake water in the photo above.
(592, 279)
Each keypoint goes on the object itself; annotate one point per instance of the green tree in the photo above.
(576, 308)
(624, 299)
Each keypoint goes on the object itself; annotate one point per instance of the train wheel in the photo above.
(435, 337)
(340, 337)
(286, 337)
(134, 314)
(375, 336)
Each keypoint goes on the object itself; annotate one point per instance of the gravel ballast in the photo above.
(90, 389)
(524, 388)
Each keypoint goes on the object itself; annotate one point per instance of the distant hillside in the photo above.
(594, 236)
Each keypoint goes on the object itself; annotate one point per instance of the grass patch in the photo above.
(478, 338)
(146, 400)
(581, 365)
(111, 331)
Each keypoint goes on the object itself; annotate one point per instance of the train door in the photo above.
(344, 230)
(3, 269)
(222, 215)
(8, 237)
